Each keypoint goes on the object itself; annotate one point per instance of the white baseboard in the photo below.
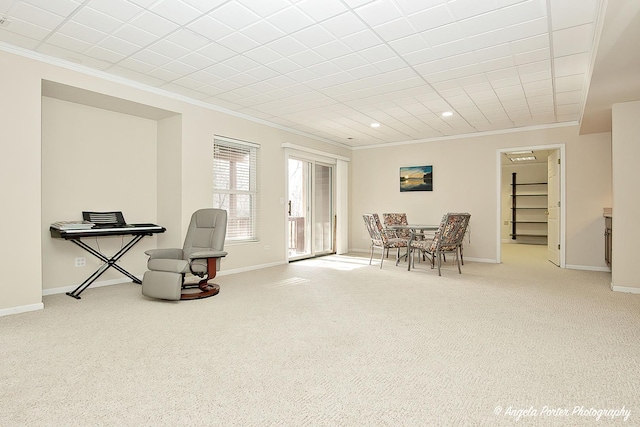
(625, 289)
(587, 268)
(21, 309)
(96, 284)
(250, 268)
(100, 283)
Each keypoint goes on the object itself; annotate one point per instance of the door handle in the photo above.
(289, 207)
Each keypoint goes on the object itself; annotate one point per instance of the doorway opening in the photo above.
(531, 208)
(310, 208)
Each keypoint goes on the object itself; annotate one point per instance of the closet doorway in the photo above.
(531, 192)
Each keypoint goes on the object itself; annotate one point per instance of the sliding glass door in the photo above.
(310, 208)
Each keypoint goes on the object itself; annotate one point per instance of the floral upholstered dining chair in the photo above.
(448, 238)
(382, 238)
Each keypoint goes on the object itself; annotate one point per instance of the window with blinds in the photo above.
(235, 186)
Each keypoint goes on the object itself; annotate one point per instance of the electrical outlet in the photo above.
(81, 262)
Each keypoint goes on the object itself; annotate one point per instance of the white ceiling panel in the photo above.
(330, 67)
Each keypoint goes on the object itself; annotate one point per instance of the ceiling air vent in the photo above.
(4, 21)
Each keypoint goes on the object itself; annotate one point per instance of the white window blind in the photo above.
(235, 186)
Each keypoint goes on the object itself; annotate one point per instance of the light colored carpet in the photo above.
(333, 342)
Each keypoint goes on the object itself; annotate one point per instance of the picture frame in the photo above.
(416, 178)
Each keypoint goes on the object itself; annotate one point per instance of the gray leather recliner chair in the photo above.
(200, 256)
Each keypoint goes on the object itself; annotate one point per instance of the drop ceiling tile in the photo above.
(411, 44)
(26, 29)
(263, 55)
(334, 49)
(391, 64)
(535, 67)
(188, 39)
(350, 61)
(120, 9)
(286, 46)
(143, 3)
(568, 109)
(61, 7)
(364, 71)
(573, 40)
(262, 32)
(262, 73)
(118, 45)
(234, 15)
(530, 43)
(343, 25)
(534, 77)
(104, 54)
(152, 58)
(357, 3)
(283, 65)
(241, 63)
(443, 35)
(70, 43)
(168, 49)
(208, 5)
(143, 78)
(302, 75)
(307, 58)
(179, 67)
(82, 32)
(362, 40)
(431, 18)
(188, 82)
(320, 11)
(324, 69)
(35, 16)
(569, 83)
(313, 36)
(176, 11)
(221, 71)
(570, 13)
(135, 65)
(539, 85)
(290, 20)
(216, 52)
(245, 80)
(572, 64)
(379, 12)
(154, 24)
(134, 35)
(573, 97)
(394, 30)
(264, 8)
(98, 20)
(463, 9)
(533, 56)
(238, 42)
(210, 28)
(189, 93)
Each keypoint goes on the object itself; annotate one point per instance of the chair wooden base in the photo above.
(202, 289)
(199, 291)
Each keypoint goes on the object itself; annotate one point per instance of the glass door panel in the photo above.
(323, 209)
(310, 209)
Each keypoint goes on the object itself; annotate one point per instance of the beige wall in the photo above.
(465, 179)
(94, 160)
(184, 144)
(626, 203)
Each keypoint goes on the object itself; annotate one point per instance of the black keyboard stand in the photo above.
(137, 231)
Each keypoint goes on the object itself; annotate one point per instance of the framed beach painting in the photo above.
(416, 178)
